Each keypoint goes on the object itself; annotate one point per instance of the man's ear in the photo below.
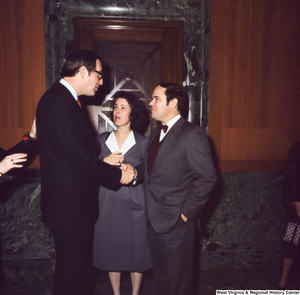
(173, 103)
(82, 71)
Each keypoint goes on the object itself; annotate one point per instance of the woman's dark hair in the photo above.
(77, 59)
(139, 115)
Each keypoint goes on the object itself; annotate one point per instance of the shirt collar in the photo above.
(170, 125)
(71, 89)
(112, 144)
(173, 121)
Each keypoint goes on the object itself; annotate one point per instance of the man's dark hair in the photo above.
(77, 59)
(139, 115)
(174, 91)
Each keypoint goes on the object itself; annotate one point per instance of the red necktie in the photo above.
(78, 101)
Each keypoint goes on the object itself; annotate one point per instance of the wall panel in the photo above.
(22, 74)
(254, 82)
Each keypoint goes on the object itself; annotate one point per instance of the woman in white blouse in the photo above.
(120, 239)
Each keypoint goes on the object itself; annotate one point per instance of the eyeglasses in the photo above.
(99, 74)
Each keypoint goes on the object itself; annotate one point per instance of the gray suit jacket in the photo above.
(182, 177)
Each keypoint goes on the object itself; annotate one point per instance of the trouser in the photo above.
(73, 270)
(172, 259)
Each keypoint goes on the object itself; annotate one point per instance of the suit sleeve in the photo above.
(140, 174)
(140, 168)
(200, 161)
(28, 147)
(67, 131)
(20, 147)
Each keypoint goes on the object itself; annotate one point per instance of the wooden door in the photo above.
(136, 56)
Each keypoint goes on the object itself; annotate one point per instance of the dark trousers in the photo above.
(172, 259)
(73, 270)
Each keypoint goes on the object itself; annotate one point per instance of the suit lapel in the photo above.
(151, 138)
(167, 144)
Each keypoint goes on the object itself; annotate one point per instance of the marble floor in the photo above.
(28, 278)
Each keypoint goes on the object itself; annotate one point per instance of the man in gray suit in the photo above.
(178, 178)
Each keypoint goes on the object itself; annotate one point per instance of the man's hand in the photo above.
(32, 132)
(128, 173)
(184, 218)
(297, 206)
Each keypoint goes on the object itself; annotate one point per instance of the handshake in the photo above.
(117, 159)
(128, 173)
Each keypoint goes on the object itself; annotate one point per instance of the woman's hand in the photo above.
(12, 161)
(115, 159)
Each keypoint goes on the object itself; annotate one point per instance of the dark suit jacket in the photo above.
(182, 176)
(70, 170)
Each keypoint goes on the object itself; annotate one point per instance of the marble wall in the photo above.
(244, 222)
(194, 14)
(242, 226)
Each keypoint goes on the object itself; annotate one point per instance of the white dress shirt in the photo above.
(70, 88)
(169, 124)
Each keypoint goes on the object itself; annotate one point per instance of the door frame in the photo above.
(169, 34)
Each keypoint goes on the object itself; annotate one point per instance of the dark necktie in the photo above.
(163, 127)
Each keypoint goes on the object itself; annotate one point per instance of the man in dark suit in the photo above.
(178, 178)
(71, 172)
